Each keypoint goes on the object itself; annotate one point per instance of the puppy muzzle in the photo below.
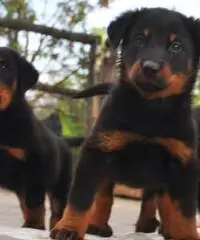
(6, 95)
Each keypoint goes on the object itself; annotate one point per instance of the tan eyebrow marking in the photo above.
(172, 37)
(146, 32)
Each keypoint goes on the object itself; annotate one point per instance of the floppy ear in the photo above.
(28, 75)
(196, 38)
(118, 28)
(193, 27)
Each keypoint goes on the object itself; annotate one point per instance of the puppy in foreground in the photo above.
(145, 135)
(33, 160)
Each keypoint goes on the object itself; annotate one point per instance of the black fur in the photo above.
(146, 103)
(47, 165)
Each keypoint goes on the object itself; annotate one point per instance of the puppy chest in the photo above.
(141, 165)
(12, 172)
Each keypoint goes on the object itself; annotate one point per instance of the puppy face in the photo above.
(16, 76)
(159, 50)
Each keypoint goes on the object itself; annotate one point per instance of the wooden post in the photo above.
(91, 81)
(104, 72)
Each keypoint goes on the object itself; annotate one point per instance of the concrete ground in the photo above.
(123, 218)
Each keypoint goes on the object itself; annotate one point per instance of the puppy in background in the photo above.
(34, 161)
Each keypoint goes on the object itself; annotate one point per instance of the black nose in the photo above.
(150, 68)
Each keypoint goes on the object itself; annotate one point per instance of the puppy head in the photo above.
(159, 50)
(16, 76)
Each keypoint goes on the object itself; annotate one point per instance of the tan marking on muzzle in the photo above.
(6, 95)
(135, 70)
(177, 84)
(165, 72)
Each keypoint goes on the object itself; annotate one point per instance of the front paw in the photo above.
(64, 234)
(104, 231)
(53, 222)
(149, 226)
(33, 225)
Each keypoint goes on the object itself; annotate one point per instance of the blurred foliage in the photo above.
(196, 91)
(15, 9)
(60, 62)
(70, 127)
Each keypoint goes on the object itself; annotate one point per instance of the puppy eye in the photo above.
(175, 47)
(2, 64)
(139, 40)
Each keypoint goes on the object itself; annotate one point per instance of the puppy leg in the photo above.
(177, 206)
(21, 198)
(101, 211)
(32, 218)
(90, 172)
(147, 221)
(58, 199)
(34, 210)
(57, 208)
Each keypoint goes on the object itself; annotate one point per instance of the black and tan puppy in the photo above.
(145, 135)
(33, 160)
(147, 221)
